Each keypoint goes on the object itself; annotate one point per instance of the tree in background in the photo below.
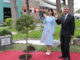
(58, 5)
(27, 2)
(14, 11)
(71, 6)
(64, 2)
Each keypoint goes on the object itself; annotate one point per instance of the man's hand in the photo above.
(71, 36)
(53, 34)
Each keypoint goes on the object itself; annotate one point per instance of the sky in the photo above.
(76, 4)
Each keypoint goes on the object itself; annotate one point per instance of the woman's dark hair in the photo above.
(51, 11)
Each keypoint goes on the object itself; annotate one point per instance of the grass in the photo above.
(77, 28)
(19, 36)
(57, 32)
(16, 47)
(73, 48)
(37, 34)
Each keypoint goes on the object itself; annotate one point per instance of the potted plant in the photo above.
(5, 39)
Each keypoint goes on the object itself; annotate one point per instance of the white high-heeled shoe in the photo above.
(48, 53)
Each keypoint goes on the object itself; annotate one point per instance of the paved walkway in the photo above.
(36, 42)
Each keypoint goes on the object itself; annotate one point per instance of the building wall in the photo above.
(24, 5)
(19, 7)
(8, 5)
(2, 4)
(34, 4)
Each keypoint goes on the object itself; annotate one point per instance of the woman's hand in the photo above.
(44, 15)
(56, 15)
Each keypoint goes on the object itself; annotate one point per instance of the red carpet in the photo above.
(13, 55)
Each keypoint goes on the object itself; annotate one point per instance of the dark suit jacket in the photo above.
(67, 26)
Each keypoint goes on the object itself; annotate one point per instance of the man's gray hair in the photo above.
(67, 7)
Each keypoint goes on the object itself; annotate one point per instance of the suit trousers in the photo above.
(65, 40)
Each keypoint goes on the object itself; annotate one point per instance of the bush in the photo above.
(4, 24)
(78, 36)
(39, 21)
(9, 22)
(5, 32)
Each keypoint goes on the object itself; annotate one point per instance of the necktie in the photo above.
(65, 18)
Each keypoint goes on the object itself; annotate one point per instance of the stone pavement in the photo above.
(36, 42)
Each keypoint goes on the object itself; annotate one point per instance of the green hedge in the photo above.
(5, 32)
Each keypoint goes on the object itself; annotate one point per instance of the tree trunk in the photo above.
(71, 6)
(26, 43)
(64, 2)
(14, 11)
(58, 5)
(27, 5)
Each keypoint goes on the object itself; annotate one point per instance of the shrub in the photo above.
(5, 32)
(4, 24)
(9, 22)
(39, 21)
(78, 36)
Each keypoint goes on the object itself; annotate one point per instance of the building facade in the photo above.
(34, 5)
(5, 9)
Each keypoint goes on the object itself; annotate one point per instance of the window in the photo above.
(7, 1)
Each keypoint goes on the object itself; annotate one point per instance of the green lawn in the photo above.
(74, 48)
(37, 34)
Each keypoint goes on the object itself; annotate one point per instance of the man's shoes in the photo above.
(67, 58)
(61, 56)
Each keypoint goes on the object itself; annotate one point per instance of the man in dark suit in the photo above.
(67, 22)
